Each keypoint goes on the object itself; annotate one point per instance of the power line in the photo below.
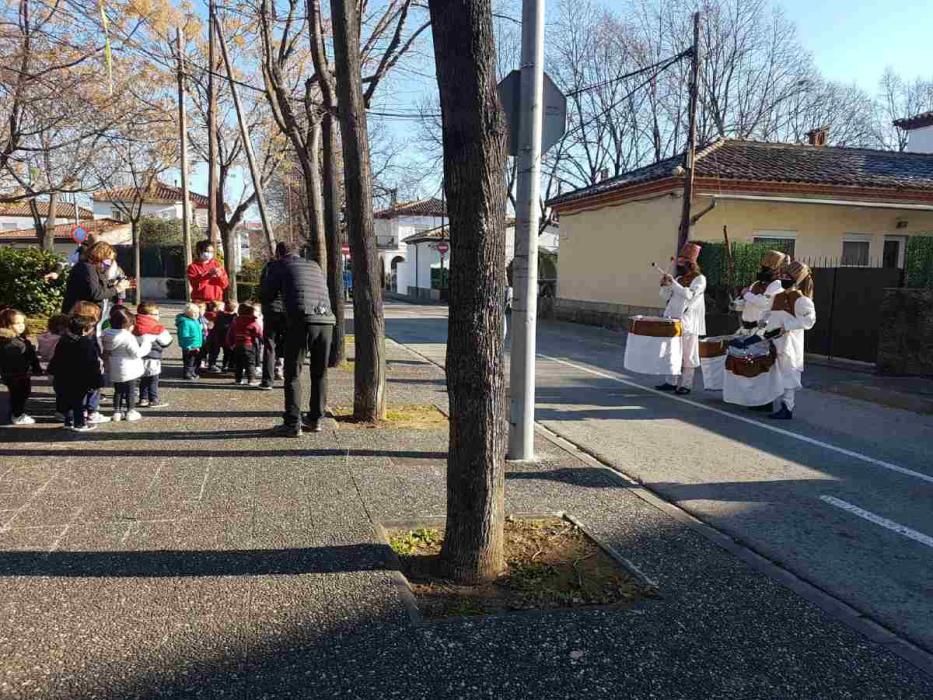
(667, 62)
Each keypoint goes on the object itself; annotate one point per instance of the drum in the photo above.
(751, 376)
(653, 345)
(713, 360)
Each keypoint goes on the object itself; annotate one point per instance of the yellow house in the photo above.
(845, 206)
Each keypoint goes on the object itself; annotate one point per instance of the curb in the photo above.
(834, 607)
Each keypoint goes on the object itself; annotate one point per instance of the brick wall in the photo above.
(905, 344)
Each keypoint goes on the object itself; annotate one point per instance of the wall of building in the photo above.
(421, 258)
(15, 223)
(820, 228)
(155, 210)
(920, 140)
(606, 253)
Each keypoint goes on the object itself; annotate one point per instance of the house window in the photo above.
(116, 213)
(785, 241)
(855, 250)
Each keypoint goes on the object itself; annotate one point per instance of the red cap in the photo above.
(690, 251)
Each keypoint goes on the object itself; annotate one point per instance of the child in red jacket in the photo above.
(243, 337)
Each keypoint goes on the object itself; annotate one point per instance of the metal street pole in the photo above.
(245, 135)
(683, 232)
(183, 136)
(525, 265)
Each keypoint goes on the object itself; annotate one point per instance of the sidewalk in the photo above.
(192, 555)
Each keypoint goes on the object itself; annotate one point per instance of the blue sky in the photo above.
(854, 40)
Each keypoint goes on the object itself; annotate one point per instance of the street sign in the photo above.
(442, 248)
(554, 122)
(79, 234)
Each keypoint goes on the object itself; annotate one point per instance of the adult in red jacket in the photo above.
(206, 275)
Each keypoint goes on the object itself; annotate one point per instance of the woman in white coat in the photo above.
(792, 313)
(684, 295)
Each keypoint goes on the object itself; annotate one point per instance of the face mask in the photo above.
(205, 256)
(106, 264)
(765, 275)
(787, 284)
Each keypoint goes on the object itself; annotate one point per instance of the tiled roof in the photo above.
(159, 192)
(420, 207)
(918, 121)
(63, 210)
(63, 231)
(752, 161)
(438, 233)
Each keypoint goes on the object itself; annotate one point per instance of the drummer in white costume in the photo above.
(792, 313)
(685, 301)
(755, 300)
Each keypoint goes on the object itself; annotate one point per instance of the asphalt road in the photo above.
(841, 495)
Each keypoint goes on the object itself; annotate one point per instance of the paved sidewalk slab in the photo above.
(191, 555)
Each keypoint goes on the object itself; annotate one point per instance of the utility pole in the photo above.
(183, 136)
(690, 156)
(244, 134)
(213, 176)
(525, 265)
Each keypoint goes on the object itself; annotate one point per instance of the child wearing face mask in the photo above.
(206, 275)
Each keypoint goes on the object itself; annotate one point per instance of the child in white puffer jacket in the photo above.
(125, 352)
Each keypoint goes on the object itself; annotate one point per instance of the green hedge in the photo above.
(247, 291)
(21, 283)
(919, 262)
(746, 260)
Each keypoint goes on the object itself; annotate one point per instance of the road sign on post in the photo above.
(442, 248)
(554, 116)
(79, 234)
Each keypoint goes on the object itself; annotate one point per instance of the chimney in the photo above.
(919, 132)
(604, 174)
(817, 137)
(393, 196)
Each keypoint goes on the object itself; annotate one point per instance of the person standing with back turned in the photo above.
(309, 327)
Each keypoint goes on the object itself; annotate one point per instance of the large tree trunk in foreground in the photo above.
(228, 236)
(368, 323)
(316, 196)
(474, 181)
(334, 240)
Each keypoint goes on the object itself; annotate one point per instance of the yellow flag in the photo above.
(107, 55)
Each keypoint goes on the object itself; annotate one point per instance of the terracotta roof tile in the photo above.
(753, 161)
(63, 210)
(438, 233)
(918, 121)
(421, 207)
(63, 231)
(159, 192)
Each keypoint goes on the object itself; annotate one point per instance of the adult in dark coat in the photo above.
(308, 332)
(273, 322)
(88, 281)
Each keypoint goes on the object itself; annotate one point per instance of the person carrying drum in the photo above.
(684, 295)
(792, 313)
(755, 300)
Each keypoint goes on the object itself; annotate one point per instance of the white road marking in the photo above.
(878, 520)
(204, 482)
(763, 426)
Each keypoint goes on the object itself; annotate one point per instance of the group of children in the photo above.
(232, 334)
(83, 355)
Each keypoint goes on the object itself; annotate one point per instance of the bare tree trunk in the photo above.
(316, 196)
(137, 261)
(332, 230)
(474, 181)
(228, 236)
(48, 229)
(368, 323)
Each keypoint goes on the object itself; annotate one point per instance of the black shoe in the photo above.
(265, 386)
(783, 414)
(763, 408)
(665, 387)
(285, 430)
(311, 426)
(681, 391)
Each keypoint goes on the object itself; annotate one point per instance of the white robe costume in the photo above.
(793, 313)
(688, 304)
(757, 300)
